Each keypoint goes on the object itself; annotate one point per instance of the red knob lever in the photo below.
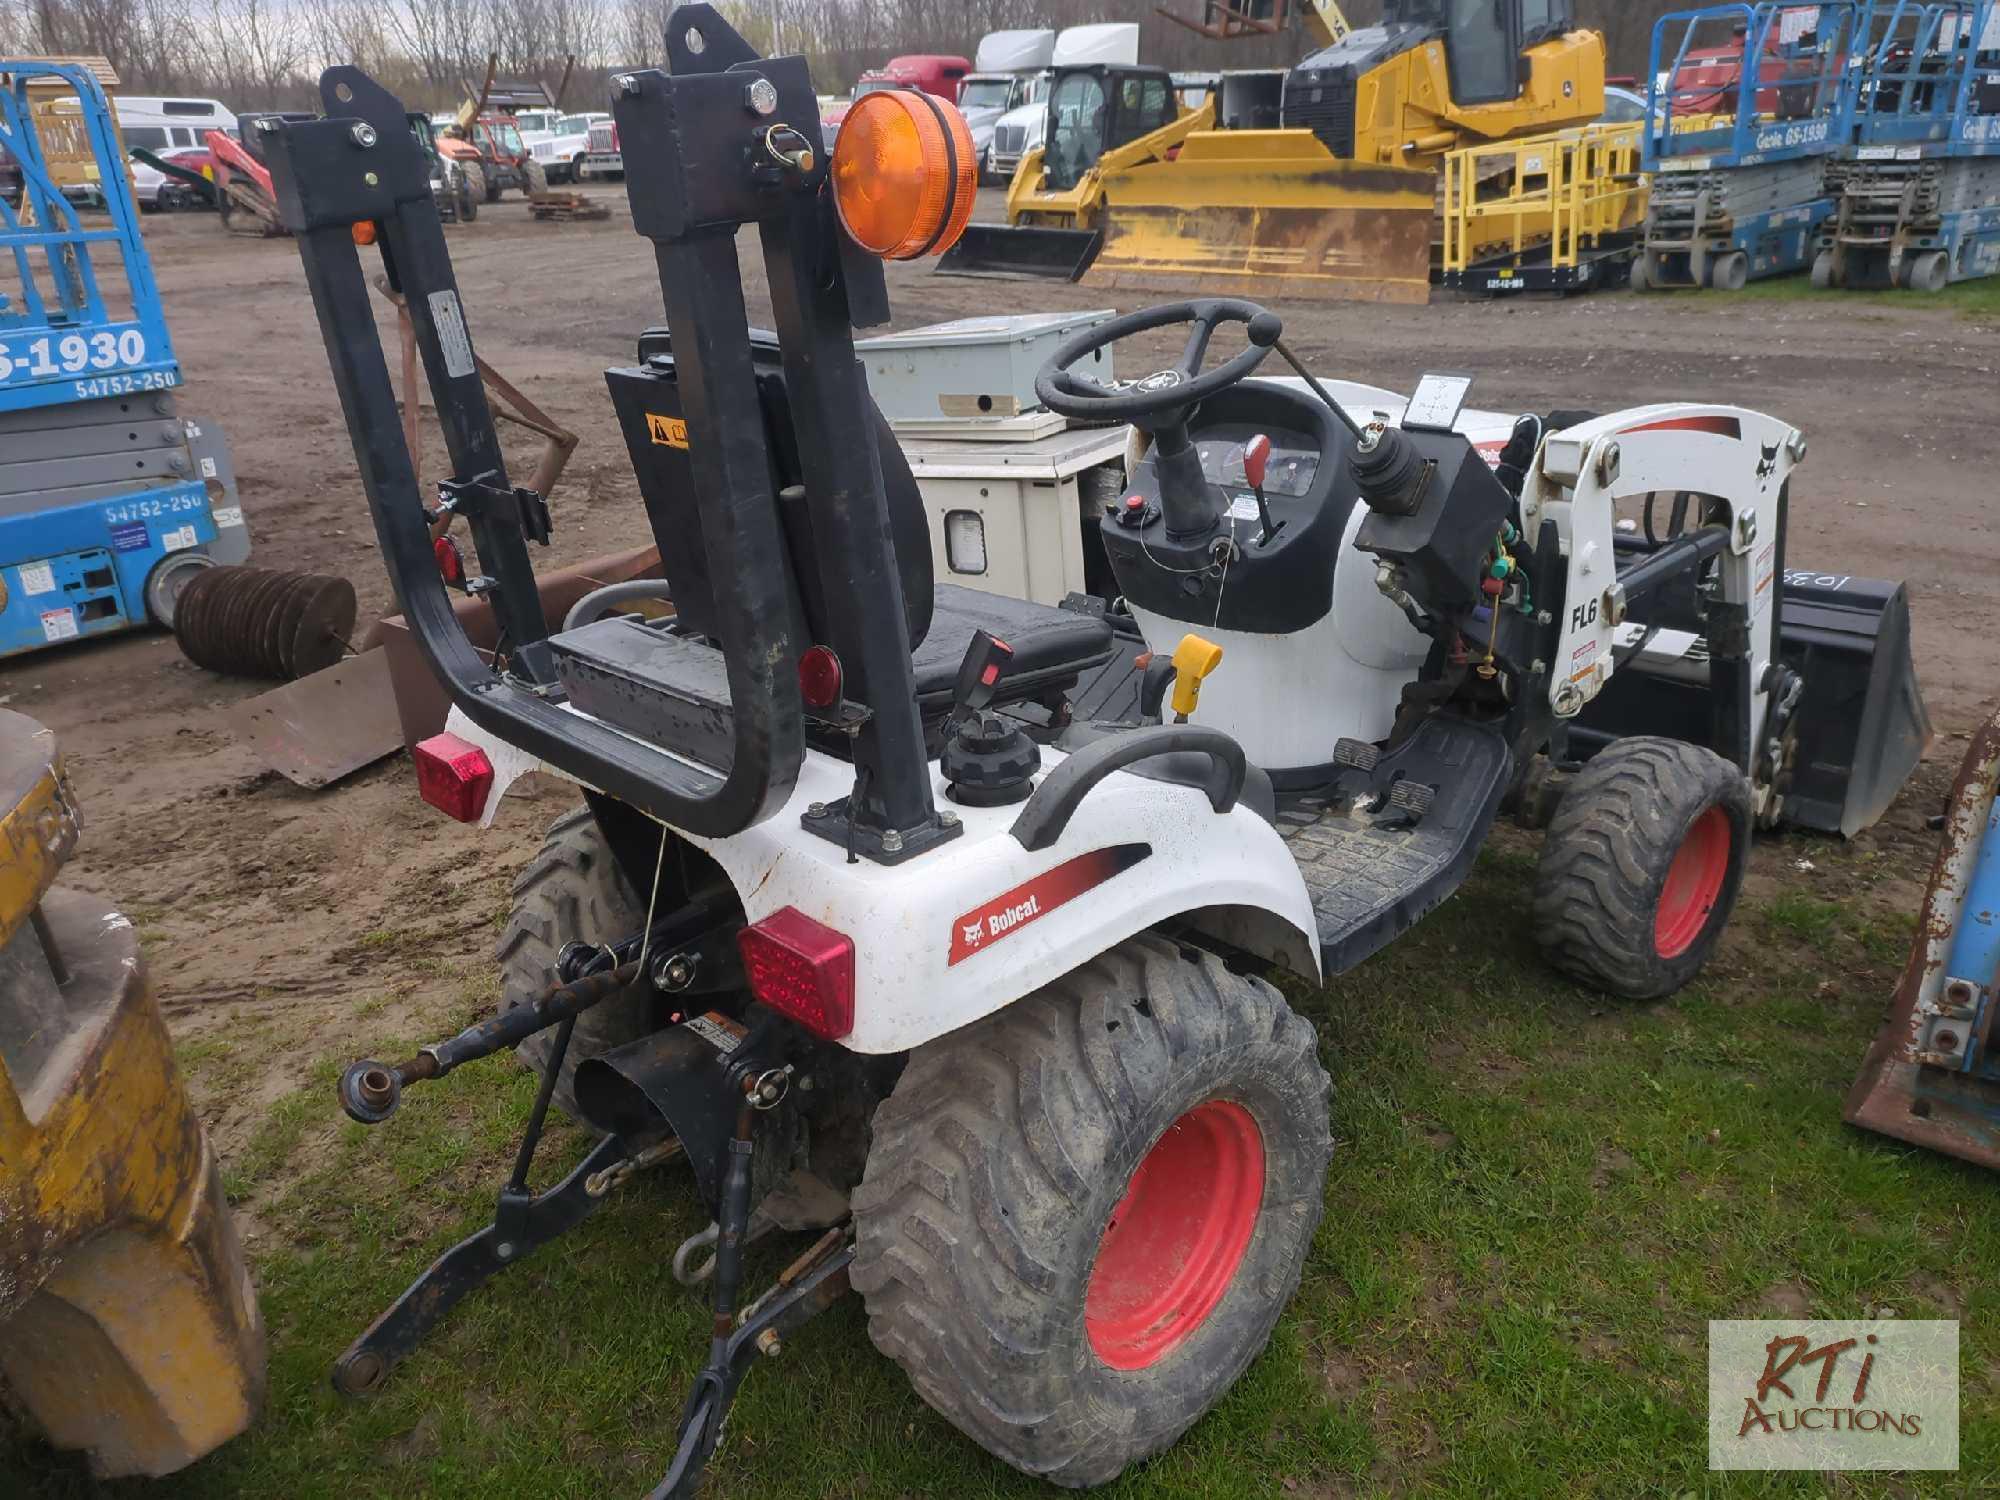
(1256, 458)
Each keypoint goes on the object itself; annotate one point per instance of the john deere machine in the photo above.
(1317, 181)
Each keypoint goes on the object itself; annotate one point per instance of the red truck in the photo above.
(931, 72)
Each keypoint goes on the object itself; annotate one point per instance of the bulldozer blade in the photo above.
(1932, 1076)
(1270, 214)
(1021, 250)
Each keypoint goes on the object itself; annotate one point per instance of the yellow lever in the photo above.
(1194, 659)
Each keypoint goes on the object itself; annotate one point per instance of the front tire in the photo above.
(572, 891)
(1642, 865)
(537, 178)
(1730, 273)
(1082, 1217)
(578, 173)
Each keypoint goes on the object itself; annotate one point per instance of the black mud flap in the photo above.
(1022, 250)
(1862, 726)
(1932, 1076)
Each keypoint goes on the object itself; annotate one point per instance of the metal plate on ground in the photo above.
(324, 726)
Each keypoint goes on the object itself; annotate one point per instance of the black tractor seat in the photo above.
(672, 689)
(1052, 647)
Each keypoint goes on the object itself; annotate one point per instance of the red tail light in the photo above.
(453, 777)
(450, 561)
(802, 969)
(820, 677)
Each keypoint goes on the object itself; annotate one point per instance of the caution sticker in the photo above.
(666, 432)
(37, 578)
(59, 624)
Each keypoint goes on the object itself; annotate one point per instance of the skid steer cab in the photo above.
(858, 918)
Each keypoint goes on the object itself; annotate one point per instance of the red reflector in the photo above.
(453, 777)
(450, 561)
(991, 675)
(802, 969)
(819, 677)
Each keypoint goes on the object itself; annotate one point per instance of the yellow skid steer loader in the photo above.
(128, 1324)
(1317, 181)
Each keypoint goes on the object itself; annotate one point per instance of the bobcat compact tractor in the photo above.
(859, 919)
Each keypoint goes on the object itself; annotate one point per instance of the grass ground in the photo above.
(1540, 1199)
(1972, 299)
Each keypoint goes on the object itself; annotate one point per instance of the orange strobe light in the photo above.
(904, 174)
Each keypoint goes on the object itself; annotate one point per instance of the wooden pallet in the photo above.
(566, 208)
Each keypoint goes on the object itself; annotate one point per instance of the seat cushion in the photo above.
(1051, 646)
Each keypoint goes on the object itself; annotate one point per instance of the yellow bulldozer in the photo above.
(1316, 181)
(128, 1325)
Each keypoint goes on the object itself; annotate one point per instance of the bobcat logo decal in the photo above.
(1767, 464)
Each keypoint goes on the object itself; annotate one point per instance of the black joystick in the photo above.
(1389, 471)
(987, 759)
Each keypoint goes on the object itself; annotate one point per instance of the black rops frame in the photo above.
(701, 162)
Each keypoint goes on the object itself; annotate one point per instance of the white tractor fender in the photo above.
(969, 927)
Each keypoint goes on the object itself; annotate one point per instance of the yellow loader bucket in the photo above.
(128, 1324)
(1267, 214)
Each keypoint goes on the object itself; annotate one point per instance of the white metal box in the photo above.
(972, 368)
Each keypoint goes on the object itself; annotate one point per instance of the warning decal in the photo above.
(666, 432)
(1009, 912)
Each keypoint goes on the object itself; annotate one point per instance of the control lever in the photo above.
(1194, 659)
(979, 673)
(1256, 459)
(987, 760)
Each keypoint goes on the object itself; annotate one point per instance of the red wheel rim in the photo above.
(1694, 884)
(1177, 1237)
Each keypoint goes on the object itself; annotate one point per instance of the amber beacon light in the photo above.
(904, 174)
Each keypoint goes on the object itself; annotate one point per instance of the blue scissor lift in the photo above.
(1739, 150)
(110, 500)
(1920, 203)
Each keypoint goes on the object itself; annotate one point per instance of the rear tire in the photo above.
(572, 891)
(1642, 280)
(1070, 1316)
(1730, 273)
(1641, 867)
(1822, 270)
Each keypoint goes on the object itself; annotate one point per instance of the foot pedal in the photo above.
(1356, 753)
(1412, 797)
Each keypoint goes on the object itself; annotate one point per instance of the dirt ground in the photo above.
(270, 910)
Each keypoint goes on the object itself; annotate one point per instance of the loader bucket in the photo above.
(1862, 727)
(128, 1324)
(1932, 1076)
(1022, 250)
(1861, 723)
(1268, 214)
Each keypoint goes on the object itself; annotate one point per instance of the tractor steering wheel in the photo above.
(1162, 398)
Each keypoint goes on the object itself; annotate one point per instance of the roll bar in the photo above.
(360, 165)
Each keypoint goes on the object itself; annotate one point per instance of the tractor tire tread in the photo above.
(986, 1155)
(572, 890)
(1609, 845)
